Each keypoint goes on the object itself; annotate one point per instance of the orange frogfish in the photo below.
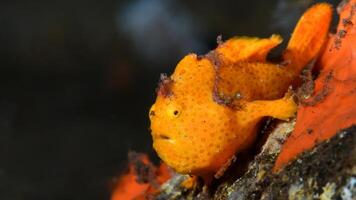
(210, 107)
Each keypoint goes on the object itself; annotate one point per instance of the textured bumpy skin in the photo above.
(211, 106)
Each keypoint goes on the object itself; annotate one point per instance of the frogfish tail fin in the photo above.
(308, 36)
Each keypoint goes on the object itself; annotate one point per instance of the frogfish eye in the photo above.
(173, 111)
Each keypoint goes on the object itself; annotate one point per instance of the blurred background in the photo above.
(77, 79)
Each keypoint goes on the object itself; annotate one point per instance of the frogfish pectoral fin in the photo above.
(283, 109)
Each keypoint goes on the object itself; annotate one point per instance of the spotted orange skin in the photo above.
(211, 106)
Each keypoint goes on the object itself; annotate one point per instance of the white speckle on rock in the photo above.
(328, 191)
(349, 190)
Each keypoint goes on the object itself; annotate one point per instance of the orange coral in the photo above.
(131, 187)
(128, 188)
(211, 106)
(332, 107)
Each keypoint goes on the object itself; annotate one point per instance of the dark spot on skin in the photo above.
(176, 112)
(165, 86)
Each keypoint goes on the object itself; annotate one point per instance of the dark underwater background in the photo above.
(77, 79)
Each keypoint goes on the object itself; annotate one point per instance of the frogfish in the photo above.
(210, 108)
